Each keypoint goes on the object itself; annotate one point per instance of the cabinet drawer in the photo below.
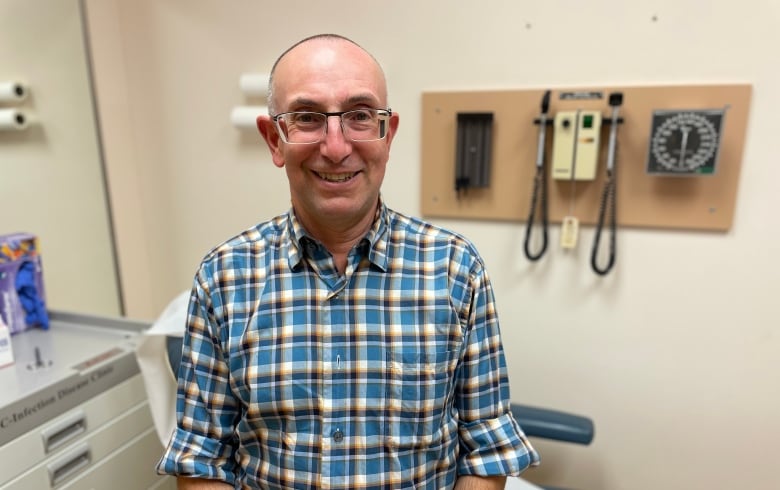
(82, 455)
(131, 467)
(50, 438)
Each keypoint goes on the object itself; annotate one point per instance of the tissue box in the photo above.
(22, 297)
(6, 348)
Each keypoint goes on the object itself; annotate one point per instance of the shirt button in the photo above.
(338, 436)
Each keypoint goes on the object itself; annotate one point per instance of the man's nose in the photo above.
(335, 145)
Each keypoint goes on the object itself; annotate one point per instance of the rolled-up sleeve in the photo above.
(491, 441)
(204, 442)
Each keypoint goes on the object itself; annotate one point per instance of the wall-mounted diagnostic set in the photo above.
(575, 157)
(501, 155)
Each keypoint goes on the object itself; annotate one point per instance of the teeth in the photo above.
(336, 177)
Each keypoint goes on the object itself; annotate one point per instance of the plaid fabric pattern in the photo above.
(391, 376)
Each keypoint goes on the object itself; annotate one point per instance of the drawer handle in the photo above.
(63, 431)
(69, 464)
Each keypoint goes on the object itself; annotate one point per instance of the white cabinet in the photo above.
(106, 442)
(74, 412)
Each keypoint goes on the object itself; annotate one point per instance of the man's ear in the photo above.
(391, 130)
(267, 128)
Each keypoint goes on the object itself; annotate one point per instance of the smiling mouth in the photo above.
(342, 177)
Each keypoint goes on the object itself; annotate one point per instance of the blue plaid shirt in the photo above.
(390, 376)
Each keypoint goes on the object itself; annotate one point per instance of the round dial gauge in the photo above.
(684, 142)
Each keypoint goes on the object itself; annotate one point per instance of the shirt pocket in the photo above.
(419, 394)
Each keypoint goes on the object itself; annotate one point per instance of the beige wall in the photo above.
(674, 355)
(51, 179)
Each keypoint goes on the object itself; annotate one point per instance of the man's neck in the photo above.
(338, 236)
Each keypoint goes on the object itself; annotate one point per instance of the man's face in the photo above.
(335, 181)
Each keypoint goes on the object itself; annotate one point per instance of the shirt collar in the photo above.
(296, 238)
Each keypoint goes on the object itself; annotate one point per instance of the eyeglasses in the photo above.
(304, 127)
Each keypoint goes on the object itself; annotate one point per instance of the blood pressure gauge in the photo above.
(684, 142)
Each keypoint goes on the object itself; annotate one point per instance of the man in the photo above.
(341, 345)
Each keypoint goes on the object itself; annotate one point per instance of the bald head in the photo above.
(316, 49)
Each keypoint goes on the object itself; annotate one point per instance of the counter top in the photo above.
(78, 357)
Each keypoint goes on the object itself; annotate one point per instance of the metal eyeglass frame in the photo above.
(387, 113)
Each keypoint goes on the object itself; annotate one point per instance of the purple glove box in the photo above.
(16, 250)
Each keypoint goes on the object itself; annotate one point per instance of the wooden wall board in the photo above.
(643, 200)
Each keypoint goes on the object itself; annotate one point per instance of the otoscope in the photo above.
(608, 198)
(540, 187)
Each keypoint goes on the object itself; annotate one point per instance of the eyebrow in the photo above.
(368, 99)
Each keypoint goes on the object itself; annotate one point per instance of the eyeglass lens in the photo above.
(311, 127)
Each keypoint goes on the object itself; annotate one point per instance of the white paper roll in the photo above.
(254, 84)
(245, 117)
(13, 120)
(11, 91)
